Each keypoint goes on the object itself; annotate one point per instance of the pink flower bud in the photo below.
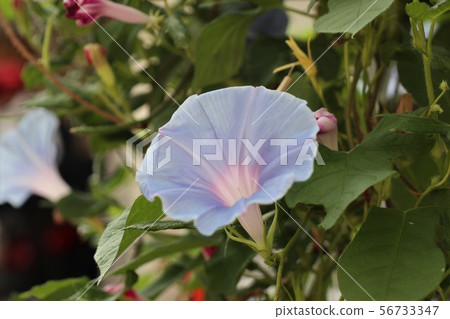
(88, 56)
(95, 55)
(86, 11)
(328, 129)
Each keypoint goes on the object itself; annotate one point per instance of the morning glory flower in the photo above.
(328, 134)
(28, 157)
(86, 11)
(225, 152)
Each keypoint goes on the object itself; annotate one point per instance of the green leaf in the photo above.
(403, 264)
(220, 48)
(177, 31)
(422, 11)
(409, 123)
(131, 277)
(311, 5)
(440, 198)
(170, 275)
(441, 59)
(77, 205)
(104, 143)
(115, 241)
(49, 100)
(91, 292)
(418, 10)
(226, 267)
(303, 89)
(104, 129)
(183, 244)
(161, 225)
(7, 9)
(340, 181)
(32, 77)
(262, 56)
(329, 65)
(54, 290)
(111, 183)
(412, 77)
(350, 15)
(346, 175)
(437, 198)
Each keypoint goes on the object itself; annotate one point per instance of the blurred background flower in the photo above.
(29, 157)
(86, 11)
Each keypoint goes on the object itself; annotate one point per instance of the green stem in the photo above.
(26, 53)
(350, 109)
(279, 278)
(347, 63)
(236, 236)
(445, 275)
(428, 78)
(415, 33)
(116, 95)
(447, 293)
(319, 282)
(434, 186)
(288, 293)
(439, 96)
(441, 292)
(427, 62)
(281, 263)
(319, 91)
(160, 225)
(297, 287)
(430, 36)
(327, 266)
(374, 87)
(167, 7)
(111, 106)
(349, 223)
(108, 129)
(47, 40)
(348, 127)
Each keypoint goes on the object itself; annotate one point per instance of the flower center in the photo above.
(237, 183)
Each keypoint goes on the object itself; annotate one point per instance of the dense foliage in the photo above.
(380, 207)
